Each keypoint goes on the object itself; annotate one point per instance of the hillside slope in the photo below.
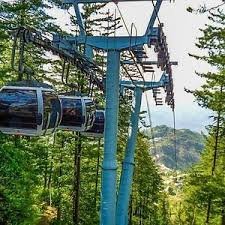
(189, 146)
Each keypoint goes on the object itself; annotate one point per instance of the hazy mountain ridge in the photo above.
(189, 145)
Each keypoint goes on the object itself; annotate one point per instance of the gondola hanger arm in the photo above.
(63, 49)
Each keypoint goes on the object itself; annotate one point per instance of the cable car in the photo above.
(97, 130)
(78, 113)
(29, 108)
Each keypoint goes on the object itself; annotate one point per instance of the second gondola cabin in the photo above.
(78, 113)
(97, 130)
(29, 109)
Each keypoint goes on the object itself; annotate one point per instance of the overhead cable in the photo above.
(130, 35)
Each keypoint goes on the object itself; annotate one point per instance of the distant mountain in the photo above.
(189, 146)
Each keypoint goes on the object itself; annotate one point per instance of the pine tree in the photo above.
(205, 184)
(28, 58)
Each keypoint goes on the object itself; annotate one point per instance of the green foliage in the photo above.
(23, 13)
(149, 205)
(18, 177)
(200, 186)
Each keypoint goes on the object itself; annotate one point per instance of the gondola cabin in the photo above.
(29, 109)
(78, 113)
(97, 130)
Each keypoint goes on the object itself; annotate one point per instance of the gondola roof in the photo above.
(29, 83)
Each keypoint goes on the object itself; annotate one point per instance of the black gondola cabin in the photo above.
(29, 109)
(78, 113)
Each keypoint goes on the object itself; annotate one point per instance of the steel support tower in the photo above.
(114, 46)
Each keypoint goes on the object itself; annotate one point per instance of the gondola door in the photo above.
(97, 130)
(73, 118)
(90, 113)
(51, 111)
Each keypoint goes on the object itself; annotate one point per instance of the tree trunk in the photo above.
(131, 210)
(214, 162)
(21, 46)
(97, 174)
(193, 217)
(208, 211)
(140, 216)
(46, 171)
(50, 180)
(216, 143)
(76, 187)
(59, 189)
(223, 213)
